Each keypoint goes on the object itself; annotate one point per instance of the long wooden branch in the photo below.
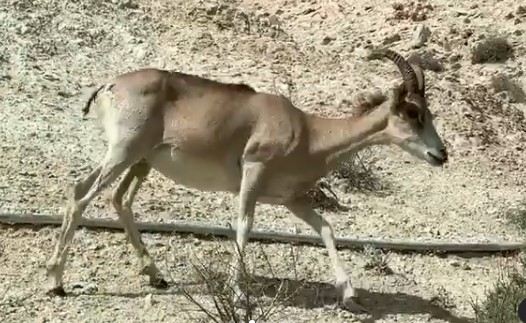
(266, 236)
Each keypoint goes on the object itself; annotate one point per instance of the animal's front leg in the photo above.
(303, 210)
(252, 173)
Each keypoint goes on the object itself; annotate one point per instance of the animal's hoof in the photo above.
(159, 283)
(348, 298)
(345, 290)
(353, 304)
(56, 291)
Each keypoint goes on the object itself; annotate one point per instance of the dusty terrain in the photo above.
(53, 52)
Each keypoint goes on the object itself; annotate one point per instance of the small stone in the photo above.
(65, 94)
(421, 35)
(398, 6)
(426, 61)
(273, 20)
(455, 58)
(456, 66)
(391, 39)
(327, 40)
(467, 33)
(455, 263)
(85, 288)
(128, 4)
(521, 10)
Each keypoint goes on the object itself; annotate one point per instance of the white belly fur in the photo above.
(196, 172)
(207, 175)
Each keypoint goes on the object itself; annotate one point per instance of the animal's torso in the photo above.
(204, 130)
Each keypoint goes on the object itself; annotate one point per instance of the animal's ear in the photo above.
(398, 94)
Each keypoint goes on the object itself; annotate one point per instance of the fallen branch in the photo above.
(267, 236)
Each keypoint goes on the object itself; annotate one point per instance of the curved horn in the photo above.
(408, 74)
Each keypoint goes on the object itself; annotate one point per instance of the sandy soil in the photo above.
(53, 52)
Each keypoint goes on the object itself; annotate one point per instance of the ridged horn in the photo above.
(408, 74)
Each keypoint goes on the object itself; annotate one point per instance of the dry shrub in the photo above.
(217, 301)
(493, 49)
(503, 83)
(357, 173)
(354, 175)
(414, 10)
(501, 302)
(226, 15)
(490, 115)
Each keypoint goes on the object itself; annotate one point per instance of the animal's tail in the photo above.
(92, 98)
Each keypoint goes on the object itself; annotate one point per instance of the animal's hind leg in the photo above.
(114, 163)
(55, 265)
(131, 183)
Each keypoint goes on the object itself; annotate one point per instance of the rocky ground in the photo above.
(53, 52)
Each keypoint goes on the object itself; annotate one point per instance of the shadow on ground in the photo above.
(309, 295)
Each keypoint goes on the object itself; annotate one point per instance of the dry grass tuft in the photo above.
(517, 217)
(323, 197)
(378, 261)
(491, 50)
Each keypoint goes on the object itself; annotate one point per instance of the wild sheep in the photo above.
(214, 136)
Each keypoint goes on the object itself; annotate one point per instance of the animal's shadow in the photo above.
(310, 295)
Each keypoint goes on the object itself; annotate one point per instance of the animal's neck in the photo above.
(335, 139)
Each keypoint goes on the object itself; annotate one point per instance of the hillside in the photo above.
(53, 52)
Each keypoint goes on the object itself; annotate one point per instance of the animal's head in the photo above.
(409, 122)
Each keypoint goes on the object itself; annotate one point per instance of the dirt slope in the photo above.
(53, 52)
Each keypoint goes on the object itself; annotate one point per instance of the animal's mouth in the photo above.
(435, 160)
